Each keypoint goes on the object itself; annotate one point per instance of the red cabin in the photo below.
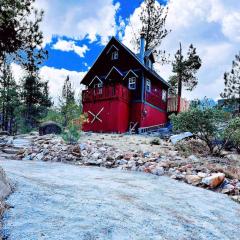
(123, 91)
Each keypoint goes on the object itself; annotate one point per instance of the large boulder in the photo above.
(49, 127)
(5, 187)
(214, 181)
(193, 179)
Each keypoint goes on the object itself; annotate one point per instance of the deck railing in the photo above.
(173, 104)
(106, 92)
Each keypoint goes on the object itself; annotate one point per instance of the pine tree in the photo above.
(232, 83)
(185, 69)
(9, 99)
(68, 94)
(35, 100)
(19, 32)
(153, 18)
(68, 105)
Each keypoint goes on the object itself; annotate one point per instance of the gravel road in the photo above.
(56, 201)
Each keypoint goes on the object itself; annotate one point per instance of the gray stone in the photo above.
(10, 150)
(193, 158)
(158, 171)
(96, 155)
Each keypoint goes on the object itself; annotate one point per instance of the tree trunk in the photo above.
(179, 84)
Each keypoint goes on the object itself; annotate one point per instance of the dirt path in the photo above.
(57, 201)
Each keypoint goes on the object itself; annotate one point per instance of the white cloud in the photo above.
(56, 78)
(79, 19)
(231, 26)
(68, 46)
(213, 26)
(17, 71)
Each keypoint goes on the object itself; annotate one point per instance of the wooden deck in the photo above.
(105, 93)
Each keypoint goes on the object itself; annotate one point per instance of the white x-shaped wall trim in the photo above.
(96, 116)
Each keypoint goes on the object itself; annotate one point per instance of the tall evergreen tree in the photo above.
(9, 98)
(19, 31)
(68, 93)
(67, 102)
(185, 69)
(153, 19)
(232, 83)
(35, 100)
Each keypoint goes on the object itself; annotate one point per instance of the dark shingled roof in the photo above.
(149, 70)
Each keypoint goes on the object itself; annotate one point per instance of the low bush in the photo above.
(71, 134)
(232, 133)
(207, 124)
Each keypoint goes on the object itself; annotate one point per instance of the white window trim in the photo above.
(149, 63)
(132, 83)
(96, 77)
(98, 88)
(148, 85)
(164, 95)
(114, 55)
(98, 85)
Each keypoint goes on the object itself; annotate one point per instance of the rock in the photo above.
(96, 155)
(193, 179)
(93, 162)
(193, 158)
(83, 146)
(131, 163)
(11, 150)
(176, 138)
(236, 198)
(155, 141)
(121, 162)
(127, 156)
(227, 188)
(49, 127)
(39, 157)
(214, 181)
(158, 171)
(4, 133)
(5, 187)
(202, 175)
(233, 157)
(84, 153)
(146, 154)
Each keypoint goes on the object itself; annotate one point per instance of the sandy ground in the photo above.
(57, 201)
(124, 142)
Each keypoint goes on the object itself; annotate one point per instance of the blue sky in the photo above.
(76, 31)
(57, 58)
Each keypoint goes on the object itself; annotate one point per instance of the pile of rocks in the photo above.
(166, 161)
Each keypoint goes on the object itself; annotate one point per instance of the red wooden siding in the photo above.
(114, 103)
(152, 116)
(156, 101)
(113, 107)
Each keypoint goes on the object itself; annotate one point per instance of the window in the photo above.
(148, 85)
(164, 95)
(98, 86)
(132, 83)
(114, 55)
(149, 63)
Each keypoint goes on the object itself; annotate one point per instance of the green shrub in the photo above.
(71, 134)
(232, 133)
(207, 124)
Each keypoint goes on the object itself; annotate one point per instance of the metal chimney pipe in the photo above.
(142, 47)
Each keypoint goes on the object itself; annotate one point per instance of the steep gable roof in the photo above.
(114, 41)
